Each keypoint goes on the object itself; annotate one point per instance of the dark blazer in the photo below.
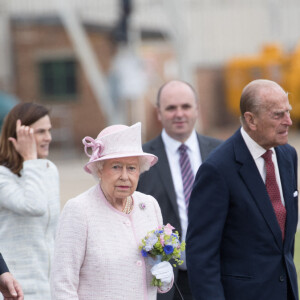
(234, 245)
(3, 266)
(158, 182)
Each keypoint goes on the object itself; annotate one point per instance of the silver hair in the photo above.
(95, 167)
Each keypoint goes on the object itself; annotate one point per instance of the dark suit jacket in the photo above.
(158, 182)
(3, 267)
(234, 245)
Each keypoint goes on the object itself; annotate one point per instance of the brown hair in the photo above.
(28, 113)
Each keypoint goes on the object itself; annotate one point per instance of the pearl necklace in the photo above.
(128, 206)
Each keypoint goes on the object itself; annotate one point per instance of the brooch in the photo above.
(142, 206)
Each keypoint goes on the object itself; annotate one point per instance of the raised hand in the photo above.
(25, 143)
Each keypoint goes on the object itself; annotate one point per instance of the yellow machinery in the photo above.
(292, 80)
(272, 63)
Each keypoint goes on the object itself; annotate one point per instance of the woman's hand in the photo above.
(10, 288)
(25, 143)
(164, 272)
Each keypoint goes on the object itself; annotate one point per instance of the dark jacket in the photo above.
(234, 243)
(158, 183)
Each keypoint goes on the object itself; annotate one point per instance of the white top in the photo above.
(257, 151)
(97, 252)
(173, 155)
(29, 210)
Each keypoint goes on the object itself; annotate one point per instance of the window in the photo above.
(58, 79)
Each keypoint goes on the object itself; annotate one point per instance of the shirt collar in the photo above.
(172, 145)
(255, 149)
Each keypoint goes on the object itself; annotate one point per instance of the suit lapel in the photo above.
(287, 188)
(256, 186)
(204, 146)
(164, 171)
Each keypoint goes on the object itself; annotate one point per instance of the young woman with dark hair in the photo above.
(29, 197)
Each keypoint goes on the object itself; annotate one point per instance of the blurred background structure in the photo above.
(99, 62)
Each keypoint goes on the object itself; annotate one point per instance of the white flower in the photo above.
(150, 242)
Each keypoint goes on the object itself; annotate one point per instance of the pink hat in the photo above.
(117, 141)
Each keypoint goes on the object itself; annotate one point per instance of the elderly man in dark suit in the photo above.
(9, 287)
(170, 180)
(243, 209)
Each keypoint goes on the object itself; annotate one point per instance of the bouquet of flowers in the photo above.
(162, 244)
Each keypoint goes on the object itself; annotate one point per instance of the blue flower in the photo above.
(168, 249)
(144, 253)
(161, 244)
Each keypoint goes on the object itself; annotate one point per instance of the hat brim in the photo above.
(152, 159)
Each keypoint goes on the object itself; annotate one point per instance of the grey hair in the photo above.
(253, 95)
(250, 101)
(97, 166)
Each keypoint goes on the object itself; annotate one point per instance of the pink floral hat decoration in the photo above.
(116, 141)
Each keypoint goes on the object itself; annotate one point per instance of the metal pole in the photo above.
(88, 59)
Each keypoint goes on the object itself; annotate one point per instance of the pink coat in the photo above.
(96, 250)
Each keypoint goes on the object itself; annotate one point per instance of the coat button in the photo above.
(127, 223)
(281, 278)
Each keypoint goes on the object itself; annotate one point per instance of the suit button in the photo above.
(281, 278)
(139, 263)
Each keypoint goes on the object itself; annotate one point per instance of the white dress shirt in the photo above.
(173, 155)
(257, 151)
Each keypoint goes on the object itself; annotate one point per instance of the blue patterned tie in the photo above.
(186, 173)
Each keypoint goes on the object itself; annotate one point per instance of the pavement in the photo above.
(74, 180)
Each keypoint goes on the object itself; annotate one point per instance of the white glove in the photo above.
(164, 272)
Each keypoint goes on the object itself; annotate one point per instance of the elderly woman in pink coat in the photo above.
(97, 244)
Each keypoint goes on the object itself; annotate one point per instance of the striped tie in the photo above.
(186, 173)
